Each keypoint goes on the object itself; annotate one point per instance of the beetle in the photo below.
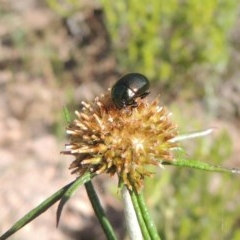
(128, 88)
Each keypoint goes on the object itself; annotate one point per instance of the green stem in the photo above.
(42, 207)
(201, 165)
(152, 230)
(141, 221)
(106, 226)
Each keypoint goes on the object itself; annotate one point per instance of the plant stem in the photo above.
(106, 225)
(132, 221)
(152, 231)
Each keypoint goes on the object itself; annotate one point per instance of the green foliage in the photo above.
(182, 43)
(172, 40)
(192, 204)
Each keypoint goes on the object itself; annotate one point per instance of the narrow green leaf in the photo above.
(200, 165)
(140, 218)
(70, 191)
(36, 211)
(66, 114)
(106, 225)
(152, 230)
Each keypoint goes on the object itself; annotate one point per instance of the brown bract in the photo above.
(126, 142)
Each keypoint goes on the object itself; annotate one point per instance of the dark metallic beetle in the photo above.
(128, 88)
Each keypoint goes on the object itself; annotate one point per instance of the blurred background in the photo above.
(56, 53)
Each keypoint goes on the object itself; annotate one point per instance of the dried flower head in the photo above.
(126, 142)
